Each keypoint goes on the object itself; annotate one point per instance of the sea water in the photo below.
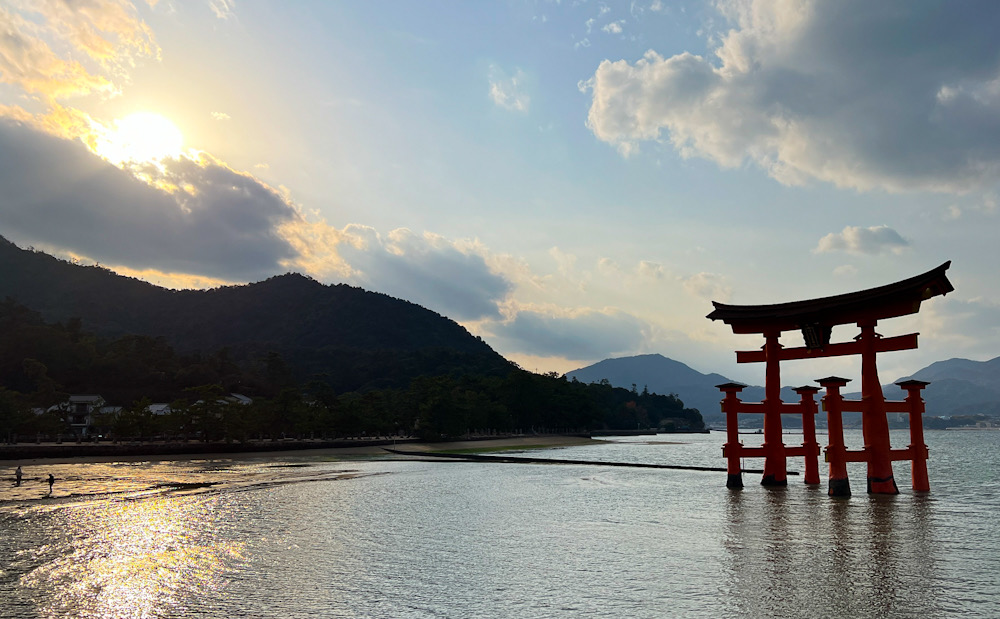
(303, 536)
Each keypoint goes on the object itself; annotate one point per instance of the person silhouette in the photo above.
(17, 476)
(52, 480)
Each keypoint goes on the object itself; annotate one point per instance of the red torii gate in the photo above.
(816, 318)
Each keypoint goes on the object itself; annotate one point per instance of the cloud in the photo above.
(565, 262)
(223, 9)
(989, 204)
(894, 95)
(651, 270)
(108, 33)
(28, 62)
(507, 91)
(579, 334)
(708, 286)
(214, 221)
(449, 277)
(845, 270)
(608, 266)
(614, 27)
(950, 324)
(856, 240)
(194, 219)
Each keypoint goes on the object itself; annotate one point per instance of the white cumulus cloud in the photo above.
(857, 240)
(896, 95)
(614, 27)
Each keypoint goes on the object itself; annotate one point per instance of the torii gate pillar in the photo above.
(775, 465)
(836, 451)
(874, 423)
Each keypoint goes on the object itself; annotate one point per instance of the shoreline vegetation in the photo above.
(62, 379)
(339, 448)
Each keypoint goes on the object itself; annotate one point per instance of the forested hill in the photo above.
(316, 360)
(357, 339)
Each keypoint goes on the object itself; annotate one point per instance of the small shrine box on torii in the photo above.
(816, 318)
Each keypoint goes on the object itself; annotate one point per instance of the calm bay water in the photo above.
(303, 537)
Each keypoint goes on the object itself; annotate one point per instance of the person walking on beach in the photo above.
(17, 476)
(52, 480)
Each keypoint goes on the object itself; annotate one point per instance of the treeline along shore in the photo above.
(150, 392)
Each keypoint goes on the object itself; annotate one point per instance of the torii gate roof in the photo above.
(889, 301)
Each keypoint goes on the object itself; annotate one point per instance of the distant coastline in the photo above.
(973, 428)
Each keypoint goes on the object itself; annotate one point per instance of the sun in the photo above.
(140, 138)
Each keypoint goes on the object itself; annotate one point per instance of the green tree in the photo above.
(206, 411)
(15, 418)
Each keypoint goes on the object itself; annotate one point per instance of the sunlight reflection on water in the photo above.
(130, 558)
(296, 537)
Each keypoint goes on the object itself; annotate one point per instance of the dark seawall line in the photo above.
(528, 460)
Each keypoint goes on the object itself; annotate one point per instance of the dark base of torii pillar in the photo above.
(839, 487)
(770, 480)
(884, 485)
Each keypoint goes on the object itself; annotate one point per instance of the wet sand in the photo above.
(363, 450)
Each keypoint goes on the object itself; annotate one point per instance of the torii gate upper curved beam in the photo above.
(898, 299)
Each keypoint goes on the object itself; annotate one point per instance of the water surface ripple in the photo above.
(297, 536)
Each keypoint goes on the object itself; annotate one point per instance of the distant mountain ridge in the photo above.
(958, 386)
(358, 338)
(961, 387)
(665, 376)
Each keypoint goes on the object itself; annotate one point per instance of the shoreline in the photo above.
(53, 453)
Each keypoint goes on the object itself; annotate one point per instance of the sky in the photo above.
(570, 180)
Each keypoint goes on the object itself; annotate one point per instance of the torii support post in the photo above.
(874, 423)
(836, 451)
(810, 447)
(917, 447)
(775, 469)
(731, 450)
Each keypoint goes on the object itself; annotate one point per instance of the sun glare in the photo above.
(139, 138)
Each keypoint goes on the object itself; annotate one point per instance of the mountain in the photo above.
(663, 375)
(357, 339)
(984, 374)
(960, 387)
(659, 373)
